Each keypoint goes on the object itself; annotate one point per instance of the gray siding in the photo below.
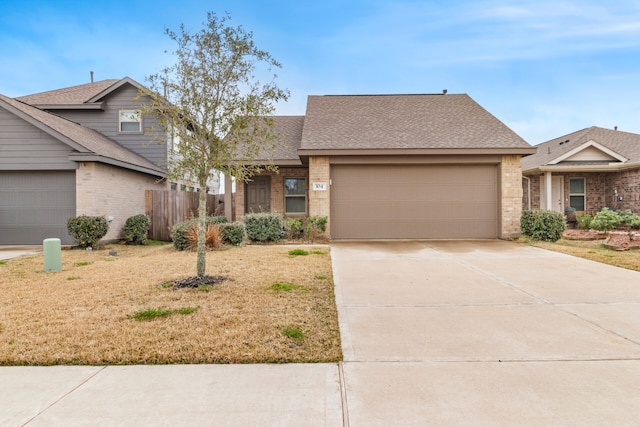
(25, 147)
(35, 206)
(106, 122)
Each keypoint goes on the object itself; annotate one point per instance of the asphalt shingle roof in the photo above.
(403, 122)
(87, 140)
(624, 143)
(69, 95)
(289, 131)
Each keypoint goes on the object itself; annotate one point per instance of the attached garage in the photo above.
(36, 204)
(414, 201)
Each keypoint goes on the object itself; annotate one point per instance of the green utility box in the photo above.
(52, 255)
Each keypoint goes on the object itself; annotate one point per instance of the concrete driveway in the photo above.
(486, 333)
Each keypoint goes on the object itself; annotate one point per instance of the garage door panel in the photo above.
(414, 201)
(36, 205)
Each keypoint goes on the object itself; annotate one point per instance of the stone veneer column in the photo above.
(511, 196)
(319, 201)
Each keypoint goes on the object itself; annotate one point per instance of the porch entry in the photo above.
(557, 194)
(258, 194)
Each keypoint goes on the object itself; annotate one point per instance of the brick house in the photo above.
(74, 151)
(394, 166)
(584, 171)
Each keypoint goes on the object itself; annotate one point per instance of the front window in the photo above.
(130, 121)
(577, 193)
(295, 195)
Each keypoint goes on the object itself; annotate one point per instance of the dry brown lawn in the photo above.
(84, 314)
(595, 251)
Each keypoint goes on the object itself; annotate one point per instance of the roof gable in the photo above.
(88, 143)
(89, 95)
(590, 151)
(621, 147)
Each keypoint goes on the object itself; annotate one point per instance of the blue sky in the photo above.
(544, 68)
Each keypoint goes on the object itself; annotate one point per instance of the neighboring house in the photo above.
(74, 151)
(395, 166)
(584, 171)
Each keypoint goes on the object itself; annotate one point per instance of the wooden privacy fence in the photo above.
(166, 208)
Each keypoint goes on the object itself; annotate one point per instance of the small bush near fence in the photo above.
(87, 230)
(136, 228)
(233, 233)
(180, 231)
(542, 225)
(263, 227)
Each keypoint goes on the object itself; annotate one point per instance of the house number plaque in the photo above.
(319, 186)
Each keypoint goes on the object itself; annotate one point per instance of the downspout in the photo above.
(528, 192)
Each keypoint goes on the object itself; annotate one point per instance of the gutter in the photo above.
(611, 167)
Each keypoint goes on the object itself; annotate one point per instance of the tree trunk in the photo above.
(202, 243)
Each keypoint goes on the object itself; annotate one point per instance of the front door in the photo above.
(258, 194)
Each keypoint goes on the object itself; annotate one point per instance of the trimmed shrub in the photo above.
(136, 228)
(634, 222)
(233, 233)
(629, 220)
(584, 221)
(294, 228)
(87, 230)
(606, 220)
(262, 227)
(315, 226)
(179, 231)
(542, 225)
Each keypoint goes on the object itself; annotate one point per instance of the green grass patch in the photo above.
(298, 252)
(156, 243)
(82, 263)
(321, 277)
(3, 262)
(318, 252)
(293, 333)
(73, 278)
(283, 286)
(152, 313)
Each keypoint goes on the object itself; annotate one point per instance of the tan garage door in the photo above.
(414, 201)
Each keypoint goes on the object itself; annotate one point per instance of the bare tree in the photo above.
(214, 108)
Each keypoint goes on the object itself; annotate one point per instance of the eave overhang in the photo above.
(92, 157)
(611, 167)
(86, 106)
(525, 151)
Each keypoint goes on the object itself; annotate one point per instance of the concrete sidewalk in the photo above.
(483, 333)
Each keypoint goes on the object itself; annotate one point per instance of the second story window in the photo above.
(130, 121)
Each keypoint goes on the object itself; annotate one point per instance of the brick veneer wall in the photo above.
(320, 200)
(511, 196)
(103, 190)
(601, 190)
(276, 190)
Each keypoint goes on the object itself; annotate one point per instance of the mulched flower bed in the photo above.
(617, 240)
(622, 242)
(195, 282)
